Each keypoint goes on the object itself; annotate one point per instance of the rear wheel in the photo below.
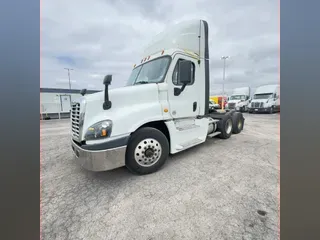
(237, 123)
(225, 127)
(147, 151)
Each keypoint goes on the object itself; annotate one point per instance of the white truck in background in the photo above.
(266, 99)
(240, 99)
(163, 109)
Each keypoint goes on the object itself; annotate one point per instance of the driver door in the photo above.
(186, 104)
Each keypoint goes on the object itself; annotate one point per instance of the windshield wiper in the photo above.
(142, 82)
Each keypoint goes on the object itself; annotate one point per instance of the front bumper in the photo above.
(99, 160)
(267, 109)
(237, 108)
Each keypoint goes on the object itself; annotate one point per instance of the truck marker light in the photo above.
(148, 57)
(134, 65)
(162, 52)
(145, 59)
(141, 60)
(165, 110)
(104, 132)
(91, 129)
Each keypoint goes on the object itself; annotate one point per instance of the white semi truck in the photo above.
(266, 99)
(240, 99)
(164, 108)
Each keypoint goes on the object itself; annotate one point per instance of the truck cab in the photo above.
(163, 108)
(240, 99)
(266, 99)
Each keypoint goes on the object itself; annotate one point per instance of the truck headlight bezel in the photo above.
(99, 130)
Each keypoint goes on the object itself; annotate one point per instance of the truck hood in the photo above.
(125, 96)
(260, 100)
(126, 101)
(234, 101)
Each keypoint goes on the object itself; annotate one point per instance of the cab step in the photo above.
(211, 135)
(188, 144)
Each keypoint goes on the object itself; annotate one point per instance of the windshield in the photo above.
(238, 97)
(262, 96)
(150, 72)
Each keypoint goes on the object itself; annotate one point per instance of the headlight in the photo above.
(99, 130)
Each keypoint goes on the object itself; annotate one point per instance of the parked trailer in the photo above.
(266, 99)
(163, 109)
(240, 99)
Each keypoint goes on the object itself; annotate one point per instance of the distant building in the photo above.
(56, 102)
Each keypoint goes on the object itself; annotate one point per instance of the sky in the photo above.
(100, 37)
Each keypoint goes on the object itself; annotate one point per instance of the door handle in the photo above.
(194, 106)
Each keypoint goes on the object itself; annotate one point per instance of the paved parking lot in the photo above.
(222, 189)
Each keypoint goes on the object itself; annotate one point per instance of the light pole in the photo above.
(224, 58)
(69, 69)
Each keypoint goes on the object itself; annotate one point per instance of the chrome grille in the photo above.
(75, 120)
(231, 105)
(257, 104)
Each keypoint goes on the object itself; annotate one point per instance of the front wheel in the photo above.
(271, 110)
(147, 151)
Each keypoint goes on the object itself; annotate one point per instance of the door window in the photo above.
(175, 76)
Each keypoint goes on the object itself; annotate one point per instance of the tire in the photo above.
(271, 111)
(237, 123)
(225, 127)
(141, 162)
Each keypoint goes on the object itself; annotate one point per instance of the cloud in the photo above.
(65, 80)
(100, 37)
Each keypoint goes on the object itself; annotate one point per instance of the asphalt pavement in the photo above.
(222, 189)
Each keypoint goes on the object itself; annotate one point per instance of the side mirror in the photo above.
(83, 91)
(185, 72)
(107, 80)
(184, 76)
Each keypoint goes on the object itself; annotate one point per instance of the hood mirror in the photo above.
(83, 91)
(107, 103)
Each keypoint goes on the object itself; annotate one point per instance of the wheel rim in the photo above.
(239, 124)
(228, 126)
(148, 152)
